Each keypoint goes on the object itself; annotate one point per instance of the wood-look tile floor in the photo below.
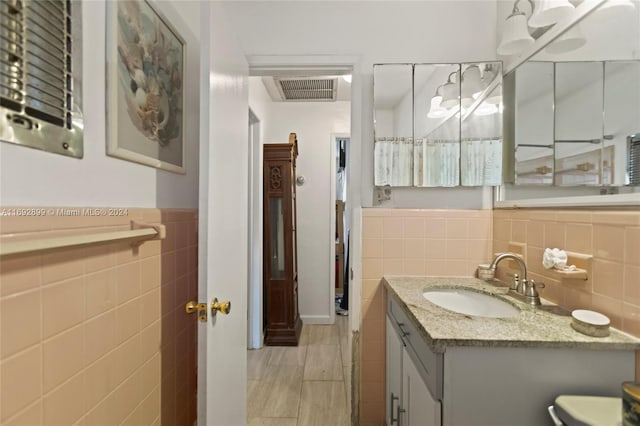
(305, 385)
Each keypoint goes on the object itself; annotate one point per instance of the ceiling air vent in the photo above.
(40, 69)
(307, 89)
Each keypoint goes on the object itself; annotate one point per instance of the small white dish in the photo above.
(590, 323)
(591, 317)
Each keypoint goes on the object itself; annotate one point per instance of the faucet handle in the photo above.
(531, 288)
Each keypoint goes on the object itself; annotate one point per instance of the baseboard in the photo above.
(316, 319)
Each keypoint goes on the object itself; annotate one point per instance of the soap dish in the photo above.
(590, 323)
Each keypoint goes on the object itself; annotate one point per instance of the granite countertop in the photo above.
(546, 326)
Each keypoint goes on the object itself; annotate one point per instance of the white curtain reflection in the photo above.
(437, 162)
(481, 162)
(393, 159)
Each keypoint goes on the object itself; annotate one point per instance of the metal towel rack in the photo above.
(139, 233)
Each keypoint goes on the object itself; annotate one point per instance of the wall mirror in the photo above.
(393, 124)
(572, 114)
(438, 125)
(436, 117)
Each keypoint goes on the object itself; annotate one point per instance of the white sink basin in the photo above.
(471, 303)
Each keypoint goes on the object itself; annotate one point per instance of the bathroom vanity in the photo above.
(448, 368)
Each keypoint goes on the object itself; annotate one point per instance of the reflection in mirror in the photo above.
(622, 121)
(578, 125)
(437, 125)
(597, 110)
(533, 111)
(419, 110)
(481, 129)
(393, 111)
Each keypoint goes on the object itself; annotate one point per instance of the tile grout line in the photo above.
(306, 354)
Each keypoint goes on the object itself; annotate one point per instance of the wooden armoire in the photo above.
(281, 317)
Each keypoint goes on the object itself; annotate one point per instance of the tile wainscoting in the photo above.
(98, 335)
(409, 242)
(611, 237)
(453, 242)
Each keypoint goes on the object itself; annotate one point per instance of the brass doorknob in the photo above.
(222, 307)
(200, 308)
(191, 307)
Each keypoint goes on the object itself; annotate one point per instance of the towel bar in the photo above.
(139, 233)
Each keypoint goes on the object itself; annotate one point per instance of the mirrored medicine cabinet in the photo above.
(572, 119)
(438, 125)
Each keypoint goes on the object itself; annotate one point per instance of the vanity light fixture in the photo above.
(471, 84)
(550, 12)
(515, 36)
(474, 81)
(451, 91)
(435, 109)
(544, 14)
(570, 40)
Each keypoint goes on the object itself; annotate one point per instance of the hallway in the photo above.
(304, 385)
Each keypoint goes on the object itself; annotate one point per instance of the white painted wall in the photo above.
(259, 100)
(34, 178)
(403, 117)
(314, 123)
(384, 122)
(259, 106)
(376, 32)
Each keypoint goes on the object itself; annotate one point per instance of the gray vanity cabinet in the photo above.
(395, 346)
(490, 384)
(410, 402)
(419, 408)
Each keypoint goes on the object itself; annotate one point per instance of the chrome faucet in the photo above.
(521, 286)
(518, 284)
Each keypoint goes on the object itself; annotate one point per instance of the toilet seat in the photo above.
(580, 410)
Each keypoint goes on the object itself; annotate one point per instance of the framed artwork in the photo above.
(146, 67)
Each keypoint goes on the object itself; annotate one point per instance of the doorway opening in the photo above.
(284, 100)
(342, 226)
(255, 335)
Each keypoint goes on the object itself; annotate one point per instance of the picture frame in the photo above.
(146, 82)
